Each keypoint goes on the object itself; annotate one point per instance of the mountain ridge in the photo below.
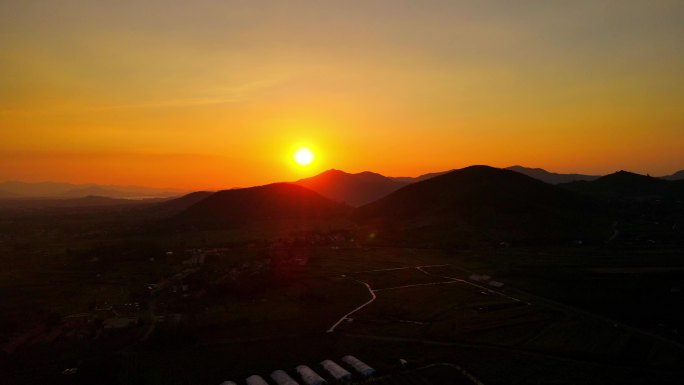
(551, 177)
(268, 202)
(353, 189)
(479, 202)
(626, 184)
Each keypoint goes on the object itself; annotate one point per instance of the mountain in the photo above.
(93, 191)
(7, 194)
(536, 173)
(679, 175)
(551, 177)
(352, 189)
(625, 184)
(269, 202)
(410, 179)
(177, 205)
(91, 201)
(69, 190)
(479, 203)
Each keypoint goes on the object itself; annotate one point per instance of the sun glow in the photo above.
(303, 156)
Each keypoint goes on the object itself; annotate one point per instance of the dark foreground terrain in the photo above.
(210, 306)
(115, 294)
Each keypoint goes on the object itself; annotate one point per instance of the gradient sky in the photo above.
(212, 94)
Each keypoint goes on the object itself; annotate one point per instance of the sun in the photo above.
(303, 156)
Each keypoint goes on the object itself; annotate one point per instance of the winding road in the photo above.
(372, 292)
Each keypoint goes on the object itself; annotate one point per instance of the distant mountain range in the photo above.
(537, 173)
(679, 175)
(625, 184)
(408, 179)
(551, 177)
(91, 202)
(458, 207)
(366, 187)
(477, 203)
(59, 190)
(352, 189)
(480, 202)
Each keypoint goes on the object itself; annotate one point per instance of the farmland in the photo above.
(202, 301)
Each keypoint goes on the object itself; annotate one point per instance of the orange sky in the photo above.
(205, 95)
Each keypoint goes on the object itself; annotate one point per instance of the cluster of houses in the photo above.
(308, 376)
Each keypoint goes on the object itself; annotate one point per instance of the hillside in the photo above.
(352, 189)
(536, 173)
(551, 177)
(479, 203)
(679, 175)
(420, 178)
(624, 184)
(269, 202)
(170, 207)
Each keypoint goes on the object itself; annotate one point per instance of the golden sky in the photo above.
(215, 94)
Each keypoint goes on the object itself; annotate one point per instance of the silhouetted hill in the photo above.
(536, 173)
(353, 189)
(679, 175)
(409, 179)
(624, 184)
(479, 203)
(177, 205)
(273, 201)
(551, 177)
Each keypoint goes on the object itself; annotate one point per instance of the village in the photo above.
(133, 315)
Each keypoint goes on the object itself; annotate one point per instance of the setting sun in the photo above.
(303, 156)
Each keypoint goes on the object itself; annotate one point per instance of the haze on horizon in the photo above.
(213, 94)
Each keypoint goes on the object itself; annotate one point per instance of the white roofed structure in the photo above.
(339, 373)
(282, 378)
(309, 376)
(255, 380)
(228, 383)
(359, 366)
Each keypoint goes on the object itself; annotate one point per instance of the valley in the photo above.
(178, 291)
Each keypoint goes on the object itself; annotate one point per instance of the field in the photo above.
(211, 306)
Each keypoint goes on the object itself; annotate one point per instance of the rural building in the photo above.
(339, 373)
(282, 378)
(309, 376)
(228, 383)
(255, 380)
(359, 366)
